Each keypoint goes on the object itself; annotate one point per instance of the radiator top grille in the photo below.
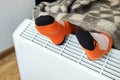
(108, 66)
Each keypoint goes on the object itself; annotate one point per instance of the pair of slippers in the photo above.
(95, 44)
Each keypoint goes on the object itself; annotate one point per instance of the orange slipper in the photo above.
(96, 45)
(55, 31)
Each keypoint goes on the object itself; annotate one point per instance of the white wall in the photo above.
(12, 13)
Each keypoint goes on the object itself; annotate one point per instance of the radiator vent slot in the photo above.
(108, 66)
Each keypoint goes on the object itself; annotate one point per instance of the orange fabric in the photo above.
(54, 31)
(69, 28)
(97, 53)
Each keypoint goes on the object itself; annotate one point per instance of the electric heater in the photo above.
(39, 59)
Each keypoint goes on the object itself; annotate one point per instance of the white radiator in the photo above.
(39, 59)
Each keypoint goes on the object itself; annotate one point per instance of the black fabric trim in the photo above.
(44, 20)
(85, 38)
